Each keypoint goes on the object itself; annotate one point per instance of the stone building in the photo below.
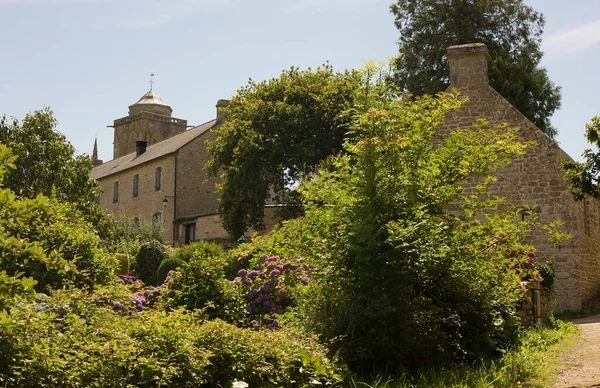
(157, 172)
(534, 179)
(157, 176)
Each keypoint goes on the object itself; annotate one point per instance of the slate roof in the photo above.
(153, 152)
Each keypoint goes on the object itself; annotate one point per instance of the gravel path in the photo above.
(580, 365)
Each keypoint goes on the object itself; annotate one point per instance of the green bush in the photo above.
(167, 265)
(78, 340)
(201, 284)
(202, 248)
(126, 263)
(52, 243)
(148, 259)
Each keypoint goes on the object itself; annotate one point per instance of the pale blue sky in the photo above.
(90, 59)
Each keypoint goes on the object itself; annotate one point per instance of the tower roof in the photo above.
(150, 102)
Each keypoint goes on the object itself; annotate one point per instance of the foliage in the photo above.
(268, 285)
(47, 244)
(46, 162)
(148, 259)
(167, 265)
(126, 263)
(77, 339)
(512, 32)
(202, 248)
(123, 235)
(276, 133)
(522, 364)
(201, 284)
(584, 177)
(407, 274)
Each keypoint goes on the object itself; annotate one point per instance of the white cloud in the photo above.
(576, 39)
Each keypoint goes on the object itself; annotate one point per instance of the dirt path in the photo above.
(580, 364)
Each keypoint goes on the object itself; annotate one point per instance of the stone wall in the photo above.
(148, 201)
(195, 192)
(145, 126)
(535, 179)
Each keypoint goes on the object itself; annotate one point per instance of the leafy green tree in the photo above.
(584, 177)
(512, 32)
(276, 132)
(412, 262)
(45, 243)
(46, 162)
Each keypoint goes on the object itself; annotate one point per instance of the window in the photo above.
(157, 178)
(136, 183)
(115, 192)
(190, 233)
(157, 219)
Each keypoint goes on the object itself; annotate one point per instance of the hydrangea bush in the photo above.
(266, 286)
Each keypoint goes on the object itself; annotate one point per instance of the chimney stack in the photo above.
(221, 106)
(140, 147)
(468, 65)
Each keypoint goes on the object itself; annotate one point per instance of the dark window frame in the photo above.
(136, 185)
(189, 233)
(116, 192)
(157, 179)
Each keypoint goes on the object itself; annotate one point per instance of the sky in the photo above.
(88, 60)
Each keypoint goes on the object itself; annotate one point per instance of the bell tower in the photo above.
(149, 120)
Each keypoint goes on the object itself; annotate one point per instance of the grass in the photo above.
(529, 365)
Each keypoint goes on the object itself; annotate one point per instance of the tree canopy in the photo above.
(276, 132)
(46, 162)
(584, 177)
(512, 32)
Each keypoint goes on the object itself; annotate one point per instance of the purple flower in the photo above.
(237, 280)
(266, 297)
(241, 260)
(247, 281)
(253, 274)
(280, 268)
(275, 273)
(267, 303)
(258, 299)
(258, 266)
(242, 273)
(282, 294)
(263, 257)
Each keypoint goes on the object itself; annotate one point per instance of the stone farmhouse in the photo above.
(157, 175)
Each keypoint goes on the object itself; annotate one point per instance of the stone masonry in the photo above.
(534, 179)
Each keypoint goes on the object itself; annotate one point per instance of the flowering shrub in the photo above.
(79, 341)
(266, 287)
(142, 299)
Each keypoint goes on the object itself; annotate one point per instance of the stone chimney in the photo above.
(221, 106)
(140, 147)
(468, 65)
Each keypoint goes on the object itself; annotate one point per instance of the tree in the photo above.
(402, 278)
(512, 32)
(584, 177)
(46, 162)
(276, 132)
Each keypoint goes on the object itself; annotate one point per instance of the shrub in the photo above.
(167, 265)
(79, 340)
(148, 259)
(202, 248)
(201, 284)
(126, 263)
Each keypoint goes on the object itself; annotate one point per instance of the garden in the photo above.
(399, 272)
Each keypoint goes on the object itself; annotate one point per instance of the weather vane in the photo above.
(151, 80)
